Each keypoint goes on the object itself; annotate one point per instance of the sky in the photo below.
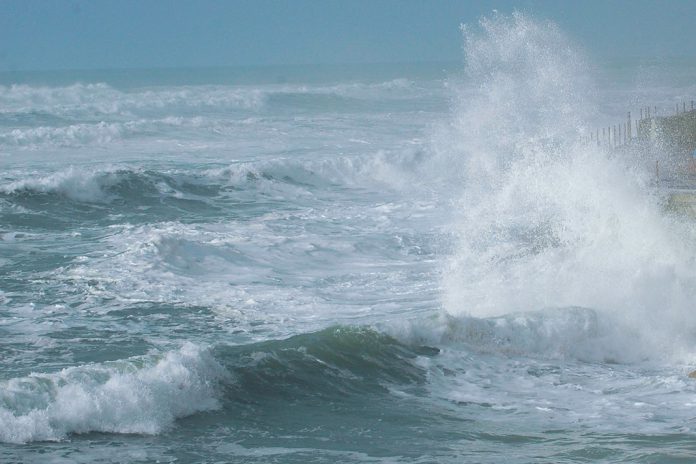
(104, 34)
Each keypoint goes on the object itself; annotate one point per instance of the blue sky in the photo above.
(89, 34)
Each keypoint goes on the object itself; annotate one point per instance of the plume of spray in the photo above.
(546, 221)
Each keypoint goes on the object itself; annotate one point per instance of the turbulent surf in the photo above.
(396, 263)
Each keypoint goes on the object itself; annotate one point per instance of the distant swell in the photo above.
(104, 100)
(94, 133)
(101, 99)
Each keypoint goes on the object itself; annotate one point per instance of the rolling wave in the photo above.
(339, 365)
(146, 394)
(102, 185)
(113, 184)
(572, 333)
(136, 395)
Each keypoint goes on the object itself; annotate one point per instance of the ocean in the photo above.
(398, 263)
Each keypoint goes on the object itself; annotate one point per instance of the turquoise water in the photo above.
(386, 263)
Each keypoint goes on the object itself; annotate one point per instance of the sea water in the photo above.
(379, 263)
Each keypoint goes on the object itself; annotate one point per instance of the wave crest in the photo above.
(138, 395)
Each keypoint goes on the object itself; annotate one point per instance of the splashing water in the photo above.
(546, 221)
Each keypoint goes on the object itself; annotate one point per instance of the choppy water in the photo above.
(375, 264)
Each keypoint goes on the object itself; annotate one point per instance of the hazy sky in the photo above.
(74, 34)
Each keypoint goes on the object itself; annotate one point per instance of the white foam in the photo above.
(137, 395)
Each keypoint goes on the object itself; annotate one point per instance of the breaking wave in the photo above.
(106, 184)
(137, 395)
(337, 365)
(146, 394)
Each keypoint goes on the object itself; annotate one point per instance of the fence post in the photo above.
(628, 134)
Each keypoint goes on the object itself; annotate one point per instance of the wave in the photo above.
(353, 368)
(137, 395)
(94, 185)
(573, 333)
(146, 394)
(33, 118)
(342, 366)
(75, 184)
(72, 135)
(406, 169)
(333, 363)
(289, 176)
(106, 195)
